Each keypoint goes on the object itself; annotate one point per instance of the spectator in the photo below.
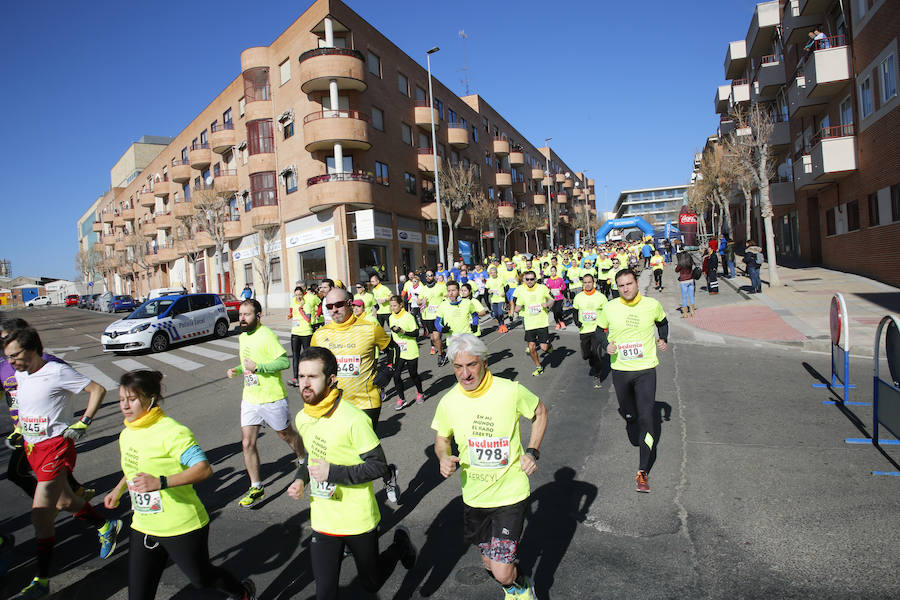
(817, 40)
(728, 265)
(246, 293)
(710, 267)
(685, 270)
(753, 259)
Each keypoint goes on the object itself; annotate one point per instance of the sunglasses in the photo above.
(340, 304)
(529, 279)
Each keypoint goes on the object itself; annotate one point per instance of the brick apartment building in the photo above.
(329, 119)
(836, 195)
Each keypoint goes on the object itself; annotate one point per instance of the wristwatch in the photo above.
(534, 452)
(86, 420)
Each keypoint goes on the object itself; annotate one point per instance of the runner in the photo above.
(359, 311)
(658, 263)
(363, 293)
(587, 305)
(496, 290)
(465, 292)
(325, 286)
(510, 273)
(404, 332)
(535, 299)
(301, 314)
(411, 290)
(45, 415)
(430, 299)
(557, 287)
(632, 346)
(382, 294)
(345, 458)
(455, 315)
(481, 414)
(161, 462)
(264, 399)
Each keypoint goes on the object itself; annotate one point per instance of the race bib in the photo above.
(250, 379)
(588, 315)
(321, 489)
(348, 366)
(35, 426)
(511, 281)
(403, 345)
(432, 309)
(297, 322)
(630, 350)
(145, 503)
(13, 399)
(489, 453)
(535, 309)
(497, 292)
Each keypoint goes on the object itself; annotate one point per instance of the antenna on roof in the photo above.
(464, 36)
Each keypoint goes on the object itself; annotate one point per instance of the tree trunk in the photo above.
(450, 240)
(766, 209)
(748, 206)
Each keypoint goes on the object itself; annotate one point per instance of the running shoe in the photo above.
(537, 371)
(503, 329)
(254, 495)
(442, 360)
(433, 351)
(249, 590)
(641, 484)
(6, 551)
(391, 486)
(402, 539)
(87, 494)
(597, 384)
(33, 591)
(528, 350)
(420, 398)
(108, 537)
(401, 404)
(516, 593)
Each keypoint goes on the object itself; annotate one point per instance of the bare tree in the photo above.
(717, 175)
(211, 214)
(186, 239)
(484, 214)
(261, 265)
(458, 187)
(509, 225)
(138, 255)
(751, 149)
(532, 221)
(87, 263)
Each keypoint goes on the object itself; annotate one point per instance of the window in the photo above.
(852, 215)
(409, 183)
(427, 190)
(290, 181)
(241, 103)
(874, 217)
(474, 133)
(214, 126)
(256, 84)
(381, 173)
(226, 117)
(378, 119)
(406, 133)
(424, 141)
(895, 202)
(420, 94)
(440, 106)
(454, 157)
(490, 193)
(487, 159)
(888, 79)
(262, 189)
(373, 259)
(275, 270)
(248, 274)
(347, 167)
(846, 111)
(285, 71)
(260, 137)
(451, 115)
(403, 84)
(184, 155)
(374, 63)
(865, 98)
(288, 129)
(311, 264)
(830, 225)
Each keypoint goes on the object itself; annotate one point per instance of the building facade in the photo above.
(657, 206)
(328, 122)
(836, 112)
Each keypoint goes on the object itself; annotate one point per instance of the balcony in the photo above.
(506, 210)
(232, 227)
(592, 198)
(721, 99)
(516, 157)
(261, 163)
(547, 182)
(146, 199)
(796, 27)
(780, 138)
(108, 239)
(264, 216)
(781, 193)
(827, 71)
(537, 173)
(577, 193)
(770, 76)
(323, 129)
(164, 219)
(118, 221)
(162, 189)
(226, 182)
(736, 59)
(813, 7)
(222, 137)
(503, 179)
(518, 188)
(180, 171)
(501, 146)
(149, 229)
(107, 216)
(834, 153)
(766, 18)
(184, 209)
(258, 109)
(726, 128)
(320, 65)
(354, 189)
(165, 254)
(560, 178)
(801, 105)
(457, 135)
(803, 178)
(424, 113)
(127, 214)
(539, 199)
(425, 161)
(97, 226)
(119, 245)
(740, 93)
(203, 240)
(569, 183)
(562, 198)
(200, 156)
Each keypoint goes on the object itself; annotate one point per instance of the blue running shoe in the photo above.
(38, 588)
(108, 537)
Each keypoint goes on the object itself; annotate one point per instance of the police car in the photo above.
(167, 320)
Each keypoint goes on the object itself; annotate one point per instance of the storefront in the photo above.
(311, 249)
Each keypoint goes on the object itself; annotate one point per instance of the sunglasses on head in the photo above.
(339, 304)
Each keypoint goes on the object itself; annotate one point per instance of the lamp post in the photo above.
(587, 208)
(547, 192)
(437, 179)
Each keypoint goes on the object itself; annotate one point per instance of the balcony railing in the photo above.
(336, 114)
(331, 52)
(739, 82)
(422, 104)
(200, 146)
(834, 41)
(425, 151)
(347, 176)
(222, 127)
(226, 172)
(835, 131)
(179, 163)
(457, 126)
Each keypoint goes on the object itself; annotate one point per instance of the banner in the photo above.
(465, 250)
(578, 238)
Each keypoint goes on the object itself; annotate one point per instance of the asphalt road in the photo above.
(755, 494)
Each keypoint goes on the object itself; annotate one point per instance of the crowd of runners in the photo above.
(349, 344)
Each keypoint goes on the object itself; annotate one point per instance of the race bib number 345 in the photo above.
(489, 453)
(34, 425)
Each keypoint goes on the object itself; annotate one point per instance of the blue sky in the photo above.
(624, 89)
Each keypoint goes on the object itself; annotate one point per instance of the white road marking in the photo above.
(176, 361)
(129, 364)
(92, 337)
(226, 344)
(213, 354)
(92, 372)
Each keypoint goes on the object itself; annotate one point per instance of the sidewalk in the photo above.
(795, 313)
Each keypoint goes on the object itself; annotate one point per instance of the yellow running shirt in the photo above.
(657, 262)
(382, 294)
(631, 327)
(433, 297)
(457, 317)
(532, 300)
(486, 430)
(261, 346)
(494, 286)
(368, 300)
(339, 439)
(353, 343)
(409, 346)
(588, 307)
(299, 325)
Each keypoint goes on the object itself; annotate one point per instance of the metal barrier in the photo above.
(840, 353)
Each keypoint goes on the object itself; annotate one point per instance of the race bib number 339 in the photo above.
(489, 453)
(145, 503)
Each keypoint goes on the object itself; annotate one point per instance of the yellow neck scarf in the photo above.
(317, 411)
(400, 314)
(484, 386)
(346, 324)
(147, 419)
(633, 302)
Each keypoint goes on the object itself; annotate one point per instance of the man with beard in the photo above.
(264, 398)
(345, 458)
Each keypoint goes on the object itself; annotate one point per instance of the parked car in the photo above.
(72, 300)
(123, 302)
(83, 301)
(92, 301)
(232, 305)
(39, 301)
(163, 321)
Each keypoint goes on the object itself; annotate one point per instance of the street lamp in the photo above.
(587, 208)
(547, 191)
(437, 179)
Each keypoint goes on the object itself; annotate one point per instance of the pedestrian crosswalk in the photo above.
(208, 353)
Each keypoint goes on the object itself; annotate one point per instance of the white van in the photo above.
(158, 292)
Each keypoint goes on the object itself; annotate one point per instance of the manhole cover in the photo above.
(471, 575)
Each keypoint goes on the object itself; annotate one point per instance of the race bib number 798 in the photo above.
(489, 453)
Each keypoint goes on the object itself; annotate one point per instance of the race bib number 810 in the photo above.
(630, 350)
